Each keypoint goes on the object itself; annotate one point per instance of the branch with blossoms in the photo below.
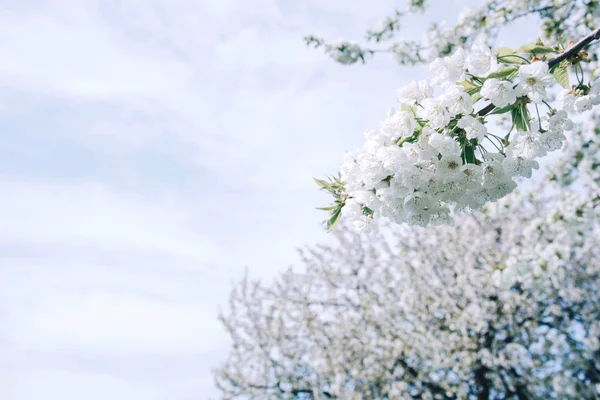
(573, 51)
(435, 154)
(493, 305)
(557, 18)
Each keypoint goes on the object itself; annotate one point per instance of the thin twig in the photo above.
(532, 11)
(577, 47)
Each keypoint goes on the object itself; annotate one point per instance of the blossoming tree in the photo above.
(503, 306)
(444, 148)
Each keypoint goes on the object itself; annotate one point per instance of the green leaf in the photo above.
(406, 107)
(476, 97)
(502, 110)
(504, 73)
(561, 74)
(504, 51)
(509, 56)
(469, 87)
(520, 118)
(535, 49)
(330, 208)
(512, 59)
(469, 152)
(322, 183)
(334, 220)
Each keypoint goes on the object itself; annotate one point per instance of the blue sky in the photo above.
(149, 152)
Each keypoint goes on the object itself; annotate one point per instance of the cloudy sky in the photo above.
(149, 152)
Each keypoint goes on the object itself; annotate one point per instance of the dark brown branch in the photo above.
(483, 383)
(572, 51)
(577, 47)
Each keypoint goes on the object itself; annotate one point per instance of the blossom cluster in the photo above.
(580, 99)
(435, 154)
(557, 18)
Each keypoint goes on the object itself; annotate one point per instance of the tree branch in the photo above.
(576, 48)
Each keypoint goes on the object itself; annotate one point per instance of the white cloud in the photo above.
(206, 121)
(128, 325)
(75, 55)
(39, 384)
(91, 214)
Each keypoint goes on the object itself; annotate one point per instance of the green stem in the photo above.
(514, 55)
